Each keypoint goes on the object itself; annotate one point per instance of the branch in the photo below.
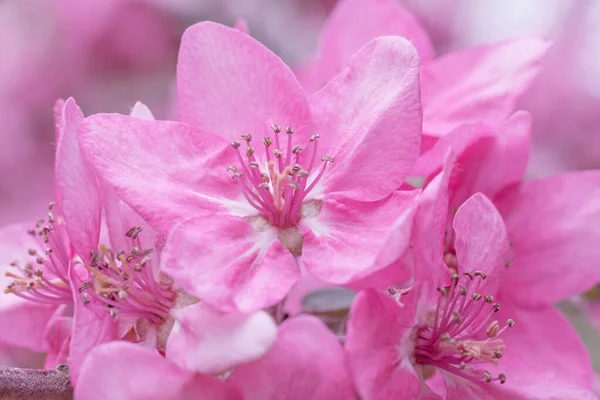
(35, 384)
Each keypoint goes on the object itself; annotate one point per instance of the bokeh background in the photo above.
(108, 54)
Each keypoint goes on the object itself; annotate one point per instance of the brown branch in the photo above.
(35, 384)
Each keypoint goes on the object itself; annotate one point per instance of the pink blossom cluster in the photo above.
(356, 227)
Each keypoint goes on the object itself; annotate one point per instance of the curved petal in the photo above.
(77, 185)
(224, 261)
(354, 23)
(27, 320)
(350, 240)
(231, 84)
(210, 342)
(544, 359)
(369, 118)
(165, 170)
(58, 337)
(124, 371)
(90, 328)
(481, 241)
(553, 226)
(379, 348)
(479, 84)
(431, 221)
(307, 362)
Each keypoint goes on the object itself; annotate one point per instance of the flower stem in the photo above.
(33, 384)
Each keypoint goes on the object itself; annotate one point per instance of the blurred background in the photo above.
(110, 53)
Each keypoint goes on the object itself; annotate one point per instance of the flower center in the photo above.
(125, 283)
(459, 336)
(278, 191)
(45, 280)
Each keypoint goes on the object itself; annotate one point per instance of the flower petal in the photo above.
(124, 371)
(553, 228)
(431, 221)
(27, 320)
(379, 347)
(231, 84)
(306, 362)
(479, 84)
(225, 262)
(354, 23)
(89, 328)
(369, 118)
(165, 170)
(140, 110)
(544, 359)
(77, 185)
(480, 240)
(208, 341)
(350, 240)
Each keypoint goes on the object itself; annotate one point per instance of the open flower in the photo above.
(235, 242)
(478, 84)
(464, 325)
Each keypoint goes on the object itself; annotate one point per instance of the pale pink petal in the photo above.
(224, 261)
(27, 320)
(124, 371)
(479, 84)
(208, 341)
(77, 185)
(165, 170)
(379, 348)
(544, 359)
(431, 221)
(140, 110)
(369, 118)
(307, 362)
(350, 240)
(354, 23)
(480, 242)
(90, 328)
(553, 226)
(231, 84)
(58, 337)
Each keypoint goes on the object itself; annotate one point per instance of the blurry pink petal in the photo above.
(553, 226)
(351, 240)
(208, 341)
(353, 23)
(231, 84)
(480, 240)
(58, 337)
(27, 320)
(241, 25)
(306, 362)
(479, 84)
(124, 371)
(78, 189)
(380, 348)
(164, 170)
(369, 118)
(224, 261)
(89, 328)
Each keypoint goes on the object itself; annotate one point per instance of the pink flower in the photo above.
(306, 362)
(464, 325)
(478, 84)
(235, 242)
(551, 222)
